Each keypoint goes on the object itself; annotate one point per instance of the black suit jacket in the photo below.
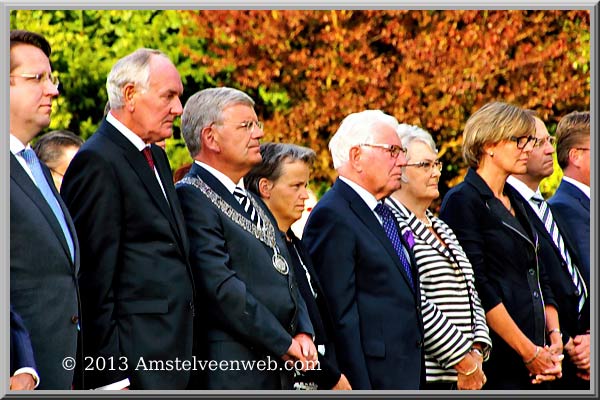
(21, 352)
(376, 313)
(43, 278)
(503, 251)
(137, 290)
(252, 311)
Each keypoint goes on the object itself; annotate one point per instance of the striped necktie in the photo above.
(40, 180)
(391, 231)
(545, 215)
(242, 198)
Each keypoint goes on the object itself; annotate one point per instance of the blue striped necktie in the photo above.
(242, 198)
(40, 180)
(546, 216)
(391, 231)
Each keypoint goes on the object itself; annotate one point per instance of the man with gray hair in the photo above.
(364, 264)
(136, 282)
(254, 312)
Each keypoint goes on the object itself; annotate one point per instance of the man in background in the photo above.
(56, 149)
(557, 256)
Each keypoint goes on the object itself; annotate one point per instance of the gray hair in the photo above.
(206, 107)
(412, 133)
(409, 134)
(355, 129)
(274, 155)
(133, 68)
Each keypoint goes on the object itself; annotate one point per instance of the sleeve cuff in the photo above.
(116, 385)
(30, 371)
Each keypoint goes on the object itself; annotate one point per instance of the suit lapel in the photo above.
(573, 191)
(139, 165)
(22, 179)
(369, 219)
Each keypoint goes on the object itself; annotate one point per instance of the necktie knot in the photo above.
(242, 197)
(383, 211)
(537, 199)
(148, 155)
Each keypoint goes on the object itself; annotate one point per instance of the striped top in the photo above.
(452, 314)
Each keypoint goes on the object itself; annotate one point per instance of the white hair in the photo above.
(412, 133)
(356, 128)
(133, 68)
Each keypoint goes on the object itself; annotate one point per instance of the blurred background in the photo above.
(308, 69)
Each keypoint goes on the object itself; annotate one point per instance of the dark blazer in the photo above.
(566, 295)
(329, 373)
(251, 311)
(21, 352)
(137, 290)
(503, 251)
(43, 278)
(376, 313)
(571, 209)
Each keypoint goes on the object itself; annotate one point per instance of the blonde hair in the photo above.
(492, 123)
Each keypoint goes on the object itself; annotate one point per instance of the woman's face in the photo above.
(285, 197)
(511, 155)
(421, 175)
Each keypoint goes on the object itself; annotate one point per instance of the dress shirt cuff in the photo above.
(116, 386)
(30, 371)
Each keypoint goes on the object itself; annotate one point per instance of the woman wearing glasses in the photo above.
(492, 227)
(456, 335)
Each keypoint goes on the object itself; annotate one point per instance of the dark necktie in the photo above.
(391, 230)
(148, 155)
(546, 216)
(38, 175)
(242, 198)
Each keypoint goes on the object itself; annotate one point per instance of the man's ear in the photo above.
(355, 158)
(128, 95)
(209, 140)
(264, 187)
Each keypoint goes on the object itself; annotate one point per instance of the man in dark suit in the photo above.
(556, 255)
(23, 375)
(367, 274)
(254, 312)
(571, 201)
(137, 288)
(44, 254)
(571, 208)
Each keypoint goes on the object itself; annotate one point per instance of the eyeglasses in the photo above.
(542, 142)
(39, 78)
(427, 165)
(522, 141)
(393, 149)
(247, 125)
(583, 148)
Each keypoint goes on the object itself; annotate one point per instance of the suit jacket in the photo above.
(252, 311)
(571, 209)
(43, 277)
(503, 251)
(376, 312)
(137, 288)
(21, 352)
(566, 295)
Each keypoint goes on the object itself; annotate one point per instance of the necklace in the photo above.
(427, 223)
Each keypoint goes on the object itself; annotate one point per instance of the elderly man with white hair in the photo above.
(365, 265)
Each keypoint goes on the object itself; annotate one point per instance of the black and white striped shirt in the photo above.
(452, 314)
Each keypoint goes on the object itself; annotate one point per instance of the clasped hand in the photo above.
(302, 350)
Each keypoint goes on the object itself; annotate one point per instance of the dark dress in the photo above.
(329, 373)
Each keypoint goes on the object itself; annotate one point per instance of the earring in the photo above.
(491, 153)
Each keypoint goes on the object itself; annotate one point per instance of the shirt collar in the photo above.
(363, 193)
(221, 177)
(522, 188)
(16, 145)
(582, 186)
(125, 131)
